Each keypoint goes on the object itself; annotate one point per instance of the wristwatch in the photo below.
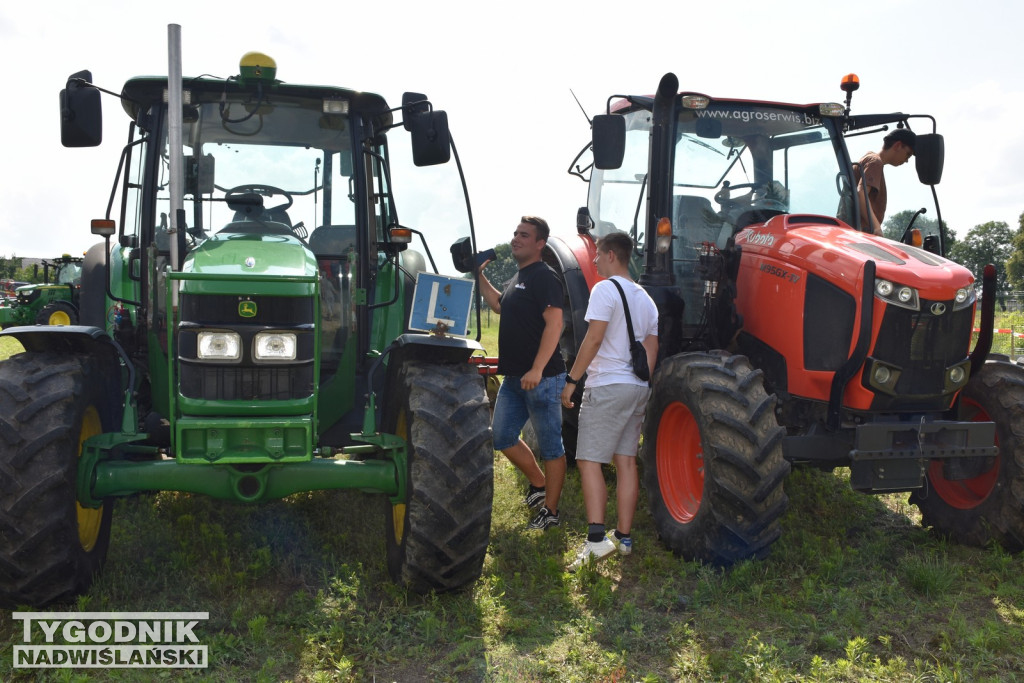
(570, 380)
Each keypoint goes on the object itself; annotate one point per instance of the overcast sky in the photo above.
(505, 73)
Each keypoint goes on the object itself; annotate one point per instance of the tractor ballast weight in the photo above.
(228, 350)
(788, 336)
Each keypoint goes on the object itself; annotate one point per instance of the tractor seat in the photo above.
(333, 241)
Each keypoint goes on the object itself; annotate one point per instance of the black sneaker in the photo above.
(534, 497)
(544, 519)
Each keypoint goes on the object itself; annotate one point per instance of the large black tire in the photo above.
(437, 537)
(57, 313)
(50, 546)
(990, 505)
(712, 459)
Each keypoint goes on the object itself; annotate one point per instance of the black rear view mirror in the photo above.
(431, 139)
(608, 133)
(929, 153)
(81, 115)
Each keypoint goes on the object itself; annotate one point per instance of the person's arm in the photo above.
(548, 346)
(490, 294)
(588, 350)
(650, 343)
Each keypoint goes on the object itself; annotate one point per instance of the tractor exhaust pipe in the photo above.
(988, 316)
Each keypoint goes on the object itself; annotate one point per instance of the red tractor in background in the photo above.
(787, 335)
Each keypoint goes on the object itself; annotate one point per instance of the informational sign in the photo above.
(441, 304)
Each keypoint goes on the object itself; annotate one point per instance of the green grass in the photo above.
(855, 590)
(297, 590)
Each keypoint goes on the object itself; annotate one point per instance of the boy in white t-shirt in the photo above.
(614, 399)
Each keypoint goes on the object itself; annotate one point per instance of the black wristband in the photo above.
(570, 380)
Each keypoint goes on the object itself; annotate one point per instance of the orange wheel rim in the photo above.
(965, 494)
(680, 462)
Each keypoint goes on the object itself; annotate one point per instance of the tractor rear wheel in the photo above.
(437, 536)
(57, 313)
(50, 546)
(988, 506)
(712, 459)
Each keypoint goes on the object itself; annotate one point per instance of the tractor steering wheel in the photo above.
(264, 191)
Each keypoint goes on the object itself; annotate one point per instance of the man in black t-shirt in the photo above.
(532, 368)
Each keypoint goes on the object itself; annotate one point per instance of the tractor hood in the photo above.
(831, 249)
(250, 264)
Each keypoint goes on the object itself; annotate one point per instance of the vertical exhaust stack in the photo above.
(177, 160)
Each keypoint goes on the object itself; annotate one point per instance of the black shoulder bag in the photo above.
(637, 352)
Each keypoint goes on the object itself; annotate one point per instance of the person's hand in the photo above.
(567, 393)
(530, 380)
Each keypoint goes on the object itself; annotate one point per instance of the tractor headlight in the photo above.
(965, 296)
(219, 346)
(898, 295)
(274, 346)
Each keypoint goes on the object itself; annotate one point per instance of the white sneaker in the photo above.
(592, 552)
(625, 544)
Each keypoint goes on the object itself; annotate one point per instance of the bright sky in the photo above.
(504, 71)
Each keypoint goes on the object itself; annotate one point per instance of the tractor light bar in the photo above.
(832, 109)
(696, 101)
(219, 346)
(186, 96)
(271, 346)
(333, 105)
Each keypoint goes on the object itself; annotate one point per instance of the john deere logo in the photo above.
(247, 309)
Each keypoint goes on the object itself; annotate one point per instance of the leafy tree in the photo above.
(1015, 263)
(986, 243)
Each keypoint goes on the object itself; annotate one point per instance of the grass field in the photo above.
(855, 590)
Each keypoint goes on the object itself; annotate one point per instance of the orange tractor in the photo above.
(788, 335)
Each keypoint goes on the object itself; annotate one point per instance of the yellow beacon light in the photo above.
(256, 66)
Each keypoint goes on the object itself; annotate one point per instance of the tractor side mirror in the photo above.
(414, 104)
(929, 154)
(81, 114)
(431, 139)
(608, 135)
(462, 255)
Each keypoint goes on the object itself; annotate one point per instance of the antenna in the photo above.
(580, 106)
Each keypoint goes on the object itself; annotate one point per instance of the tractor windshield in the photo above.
(290, 157)
(734, 164)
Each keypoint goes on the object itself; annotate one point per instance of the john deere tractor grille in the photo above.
(923, 345)
(246, 377)
(246, 383)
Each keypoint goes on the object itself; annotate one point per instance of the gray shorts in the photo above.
(610, 420)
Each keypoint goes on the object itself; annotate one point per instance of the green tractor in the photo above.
(225, 349)
(54, 302)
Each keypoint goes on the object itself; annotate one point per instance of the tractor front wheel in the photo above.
(50, 546)
(712, 459)
(988, 506)
(437, 535)
(57, 313)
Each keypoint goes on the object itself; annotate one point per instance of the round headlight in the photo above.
(961, 295)
(906, 294)
(883, 287)
(882, 374)
(956, 375)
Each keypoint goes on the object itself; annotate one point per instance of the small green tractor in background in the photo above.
(224, 348)
(54, 302)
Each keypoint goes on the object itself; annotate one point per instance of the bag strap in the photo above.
(625, 307)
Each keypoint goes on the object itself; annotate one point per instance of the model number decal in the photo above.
(779, 272)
